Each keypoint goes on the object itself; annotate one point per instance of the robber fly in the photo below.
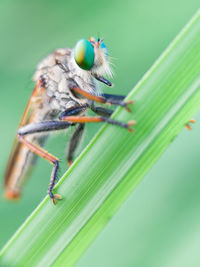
(66, 87)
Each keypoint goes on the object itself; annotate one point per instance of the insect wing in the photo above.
(21, 159)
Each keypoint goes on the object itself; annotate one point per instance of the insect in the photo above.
(66, 87)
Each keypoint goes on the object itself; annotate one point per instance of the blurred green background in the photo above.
(159, 225)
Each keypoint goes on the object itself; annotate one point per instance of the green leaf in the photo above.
(114, 162)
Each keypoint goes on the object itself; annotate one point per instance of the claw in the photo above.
(55, 197)
(192, 121)
(129, 102)
(69, 163)
(188, 126)
(129, 124)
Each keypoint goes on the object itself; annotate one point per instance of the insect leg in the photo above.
(73, 111)
(115, 97)
(105, 112)
(102, 99)
(74, 142)
(44, 126)
(84, 119)
(77, 134)
(44, 154)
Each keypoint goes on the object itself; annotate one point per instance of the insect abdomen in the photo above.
(19, 167)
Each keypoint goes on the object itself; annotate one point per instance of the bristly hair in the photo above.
(101, 63)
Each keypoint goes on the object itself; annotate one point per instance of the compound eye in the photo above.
(84, 54)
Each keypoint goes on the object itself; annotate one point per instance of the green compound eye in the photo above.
(84, 54)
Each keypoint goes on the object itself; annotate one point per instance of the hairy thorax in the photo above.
(59, 72)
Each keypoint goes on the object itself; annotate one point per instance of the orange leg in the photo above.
(103, 100)
(44, 154)
(80, 119)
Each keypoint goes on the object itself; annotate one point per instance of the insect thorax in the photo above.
(59, 73)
